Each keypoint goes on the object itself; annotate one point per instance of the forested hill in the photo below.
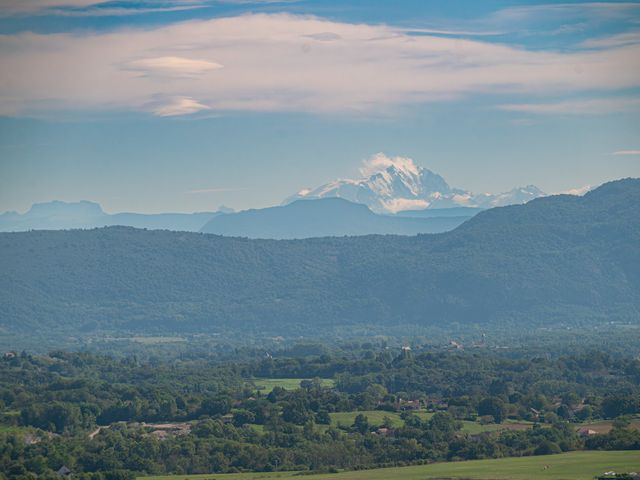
(555, 260)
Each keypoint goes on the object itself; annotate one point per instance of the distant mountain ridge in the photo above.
(327, 217)
(391, 185)
(58, 215)
(556, 261)
(301, 219)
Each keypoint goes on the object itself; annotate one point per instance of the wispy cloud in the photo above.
(100, 11)
(286, 62)
(81, 8)
(85, 8)
(621, 39)
(594, 106)
(626, 152)
(600, 11)
(556, 19)
(200, 191)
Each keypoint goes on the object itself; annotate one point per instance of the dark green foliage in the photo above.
(492, 406)
(221, 423)
(558, 260)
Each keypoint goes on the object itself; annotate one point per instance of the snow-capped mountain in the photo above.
(391, 185)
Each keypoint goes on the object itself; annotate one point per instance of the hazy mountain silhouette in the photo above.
(57, 215)
(324, 218)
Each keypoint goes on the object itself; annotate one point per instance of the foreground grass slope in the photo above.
(567, 466)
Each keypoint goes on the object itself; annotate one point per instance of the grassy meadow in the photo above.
(376, 418)
(566, 466)
(265, 385)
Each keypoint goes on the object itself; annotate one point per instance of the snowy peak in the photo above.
(396, 182)
(393, 184)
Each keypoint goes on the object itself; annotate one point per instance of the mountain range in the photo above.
(391, 185)
(57, 215)
(330, 217)
(557, 260)
(395, 196)
(300, 219)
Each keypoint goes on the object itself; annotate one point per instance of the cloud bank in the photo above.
(284, 62)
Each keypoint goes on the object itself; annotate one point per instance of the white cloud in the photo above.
(285, 63)
(595, 106)
(580, 191)
(172, 66)
(180, 106)
(626, 152)
(380, 162)
(395, 205)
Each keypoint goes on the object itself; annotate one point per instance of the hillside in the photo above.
(325, 218)
(556, 260)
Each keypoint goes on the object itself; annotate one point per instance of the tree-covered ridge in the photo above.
(108, 418)
(556, 260)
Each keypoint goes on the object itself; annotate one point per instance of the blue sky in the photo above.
(184, 105)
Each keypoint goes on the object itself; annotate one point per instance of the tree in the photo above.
(547, 447)
(323, 418)
(242, 417)
(361, 424)
(492, 406)
(564, 412)
(215, 406)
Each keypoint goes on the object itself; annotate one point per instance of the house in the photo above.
(442, 405)
(64, 472)
(30, 439)
(409, 404)
(586, 432)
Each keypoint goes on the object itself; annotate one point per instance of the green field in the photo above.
(604, 426)
(15, 429)
(265, 385)
(566, 466)
(376, 418)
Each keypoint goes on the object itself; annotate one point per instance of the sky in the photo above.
(186, 105)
